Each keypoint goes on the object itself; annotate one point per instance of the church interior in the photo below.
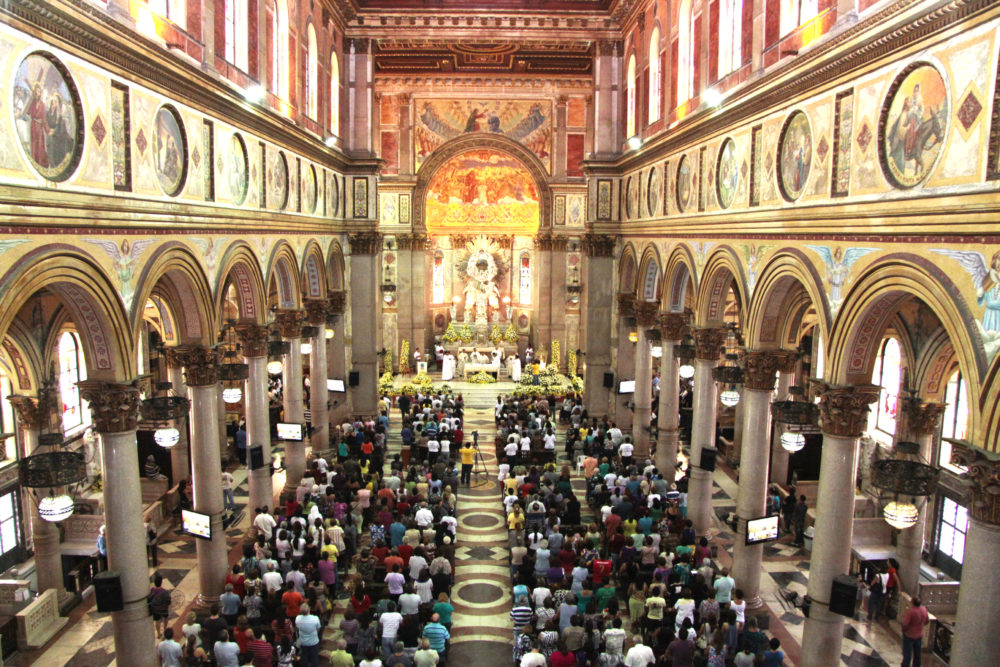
(756, 241)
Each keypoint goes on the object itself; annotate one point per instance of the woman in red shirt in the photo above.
(602, 568)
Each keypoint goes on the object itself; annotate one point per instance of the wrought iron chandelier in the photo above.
(904, 476)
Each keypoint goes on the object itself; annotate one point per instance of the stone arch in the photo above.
(649, 274)
(175, 277)
(85, 290)
(239, 267)
(873, 304)
(628, 270)
(679, 276)
(315, 277)
(21, 359)
(335, 262)
(282, 269)
(933, 367)
(989, 405)
(722, 271)
(788, 285)
(482, 140)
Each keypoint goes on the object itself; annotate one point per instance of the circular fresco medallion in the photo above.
(238, 169)
(913, 125)
(794, 155)
(628, 198)
(653, 185)
(48, 120)
(334, 195)
(727, 174)
(684, 185)
(634, 195)
(169, 148)
(279, 180)
(309, 189)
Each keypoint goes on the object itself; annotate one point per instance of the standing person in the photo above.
(788, 510)
(914, 621)
(724, 586)
(169, 651)
(390, 622)
(308, 626)
(468, 453)
(241, 442)
(800, 520)
(639, 655)
(229, 502)
(159, 604)
(876, 598)
(438, 636)
(102, 547)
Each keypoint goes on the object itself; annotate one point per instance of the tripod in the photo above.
(480, 465)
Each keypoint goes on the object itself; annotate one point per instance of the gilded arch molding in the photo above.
(240, 267)
(722, 270)
(679, 279)
(788, 272)
(174, 274)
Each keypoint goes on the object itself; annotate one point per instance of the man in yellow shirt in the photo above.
(468, 453)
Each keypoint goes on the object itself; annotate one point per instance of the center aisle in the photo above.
(481, 631)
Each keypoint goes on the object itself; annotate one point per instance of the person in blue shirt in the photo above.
(309, 627)
(438, 636)
(774, 657)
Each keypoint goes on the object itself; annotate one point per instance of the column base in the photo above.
(822, 637)
(202, 601)
(133, 632)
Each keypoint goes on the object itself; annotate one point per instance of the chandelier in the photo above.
(907, 480)
(308, 333)
(798, 416)
(165, 410)
(52, 470)
(276, 351)
(730, 374)
(232, 373)
(684, 352)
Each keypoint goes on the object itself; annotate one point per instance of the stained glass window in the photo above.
(630, 99)
(887, 373)
(730, 36)
(70, 372)
(312, 73)
(236, 32)
(654, 76)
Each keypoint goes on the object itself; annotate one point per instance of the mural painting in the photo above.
(843, 132)
(334, 196)
(756, 151)
(727, 174)
(238, 171)
(684, 184)
(278, 181)
(838, 264)
(360, 197)
(482, 189)
(47, 116)
(913, 125)
(603, 199)
(986, 279)
(526, 121)
(404, 209)
(120, 138)
(794, 155)
(653, 191)
(309, 189)
(169, 150)
(576, 207)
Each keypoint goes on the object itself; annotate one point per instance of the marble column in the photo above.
(410, 294)
(220, 423)
(360, 107)
(316, 315)
(33, 416)
(557, 299)
(115, 411)
(645, 313)
(624, 361)
(598, 308)
(201, 372)
(844, 413)
(336, 361)
(542, 257)
(708, 349)
(977, 623)
(923, 421)
(290, 324)
(180, 454)
(365, 318)
(779, 455)
(751, 499)
(608, 99)
(672, 329)
(254, 344)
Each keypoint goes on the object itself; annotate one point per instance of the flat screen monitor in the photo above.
(762, 530)
(626, 387)
(289, 431)
(335, 385)
(196, 524)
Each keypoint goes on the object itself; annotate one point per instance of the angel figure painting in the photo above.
(986, 279)
(528, 122)
(46, 116)
(482, 190)
(838, 268)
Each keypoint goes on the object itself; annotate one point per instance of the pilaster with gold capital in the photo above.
(983, 479)
(200, 364)
(708, 343)
(543, 242)
(35, 414)
(599, 245)
(844, 408)
(413, 241)
(290, 322)
(253, 339)
(762, 368)
(673, 326)
(316, 310)
(645, 313)
(114, 406)
(336, 302)
(923, 418)
(626, 305)
(365, 243)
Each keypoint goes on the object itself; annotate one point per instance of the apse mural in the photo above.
(526, 121)
(482, 189)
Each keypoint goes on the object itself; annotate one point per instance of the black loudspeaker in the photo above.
(256, 457)
(108, 591)
(354, 378)
(844, 595)
(708, 458)
(609, 380)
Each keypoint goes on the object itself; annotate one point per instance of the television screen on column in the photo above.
(196, 524)
(762, 530)
(626, 387)
(335, 385)
(289, 431)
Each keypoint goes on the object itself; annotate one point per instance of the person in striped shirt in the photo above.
(438, 636)
(521, 614)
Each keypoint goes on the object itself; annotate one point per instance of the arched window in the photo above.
(685, 53)
(654, 77)
(281, 49)
(630, 99)
(437, 278)
(955, 422)
(334, 95)
(312, 73)
(174, 11)
(887, 373)
(796, 12)
(525, 279)
(730, 36)
(236, 33)
(71, 371)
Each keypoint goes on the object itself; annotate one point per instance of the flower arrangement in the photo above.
(510, 335)
(482, 377)
(571, 364)
(422, 381)
(451, 334)
(404, 357)
(466, 334)
(577, 384)
(555, 356)
(496, 335)
(387, 362)
(385, 383)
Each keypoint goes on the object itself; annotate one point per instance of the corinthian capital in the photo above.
(114, 406)
(923, 418)
(984, 483)
(290, 322)
(34, 414)
(645, 313)
(762, 368)
(337, 302)
(673, 326)
(201, 364)
(599, 245)
(844, 408)
(365, 243)
(253, 339)
(708, 343)
(316, 311)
